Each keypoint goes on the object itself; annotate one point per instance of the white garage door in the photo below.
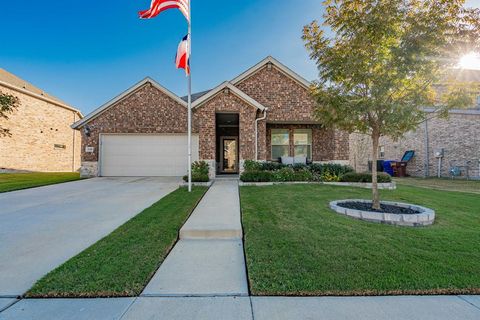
(133, 155)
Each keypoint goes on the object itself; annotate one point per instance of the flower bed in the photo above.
(397, 213)
(272, 172)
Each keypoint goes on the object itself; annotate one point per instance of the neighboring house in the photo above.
(41, 135)
(458, 136)
(264, 113)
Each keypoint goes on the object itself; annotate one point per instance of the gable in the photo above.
(227, 87)
(145, 96)
(287, 100)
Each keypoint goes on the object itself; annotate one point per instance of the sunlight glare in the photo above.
(470, 61)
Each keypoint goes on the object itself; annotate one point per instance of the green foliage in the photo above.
(256, 176)
(8, 103)
(273, 171)
(381, 68)
(365, 177)
(252, 165)
(199, 172)
(294, 238)
(385, 62)
(328, 176)
(18, 181)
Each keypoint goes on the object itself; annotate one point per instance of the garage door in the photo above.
(132, 155)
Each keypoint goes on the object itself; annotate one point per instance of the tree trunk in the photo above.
(375, 195)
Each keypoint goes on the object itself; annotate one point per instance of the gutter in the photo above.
(256, 131)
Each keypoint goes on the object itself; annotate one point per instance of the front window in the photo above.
(302, 139)
(280, 143)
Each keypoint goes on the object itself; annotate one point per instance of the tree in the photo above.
(380, 60)
(8, 103)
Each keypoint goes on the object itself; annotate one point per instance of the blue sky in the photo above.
(87, 52)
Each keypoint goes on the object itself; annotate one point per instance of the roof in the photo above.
(195, 96)
(201, 97)
(227, 85)
(124, 94)
(10, 80)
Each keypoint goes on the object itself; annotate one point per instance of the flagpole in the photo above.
(189, 99)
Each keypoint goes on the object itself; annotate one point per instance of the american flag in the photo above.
(182, 60)
(158, 6)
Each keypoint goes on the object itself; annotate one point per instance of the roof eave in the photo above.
(227, 85)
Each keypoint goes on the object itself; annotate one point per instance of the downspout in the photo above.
(427, 151)
(256, 132)
(73, 144)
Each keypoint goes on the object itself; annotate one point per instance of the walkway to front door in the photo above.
(208, 260)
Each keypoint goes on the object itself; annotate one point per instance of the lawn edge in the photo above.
(43, 185)
(28, 295)
(371, 293)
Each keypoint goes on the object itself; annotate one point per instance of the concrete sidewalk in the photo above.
(249, 308)
(208, 260)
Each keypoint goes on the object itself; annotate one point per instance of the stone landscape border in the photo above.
(386, 186)
(426, 216)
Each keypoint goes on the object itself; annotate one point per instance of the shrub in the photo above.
(251, 165)
(365, 177)
(199, 172)
(284, 174)
(256, 176)
(328, 176)
(303, 175)
(272, 166)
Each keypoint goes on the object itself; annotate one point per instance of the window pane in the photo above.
(280, 137)
(302, 137)
(279, 151)
(303, 151)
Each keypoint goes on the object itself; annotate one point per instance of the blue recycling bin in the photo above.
(387, 167)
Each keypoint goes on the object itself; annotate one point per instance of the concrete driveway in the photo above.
(43, 227)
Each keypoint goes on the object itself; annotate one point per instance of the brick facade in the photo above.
(36, 127)
(286, 100)
(149, 110)
(459, 136)
(226, 103)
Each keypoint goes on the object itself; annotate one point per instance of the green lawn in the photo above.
(446, 184)
(295, 245)
(17, 181)
(122, 263)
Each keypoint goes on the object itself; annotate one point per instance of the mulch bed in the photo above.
(384, 208)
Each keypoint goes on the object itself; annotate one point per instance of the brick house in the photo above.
(458, 136)
(264, 113)
(41, 135)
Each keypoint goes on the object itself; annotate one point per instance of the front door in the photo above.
(229, 154)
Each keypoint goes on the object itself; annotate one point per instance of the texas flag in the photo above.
(182, 60)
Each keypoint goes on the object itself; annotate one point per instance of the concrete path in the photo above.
(249, 308)
(217, 215)
(41, 228)
(208, 260)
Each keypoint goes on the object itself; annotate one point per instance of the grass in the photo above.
(122, 263)
(296, 245)
(460, 185)
(18, 181)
